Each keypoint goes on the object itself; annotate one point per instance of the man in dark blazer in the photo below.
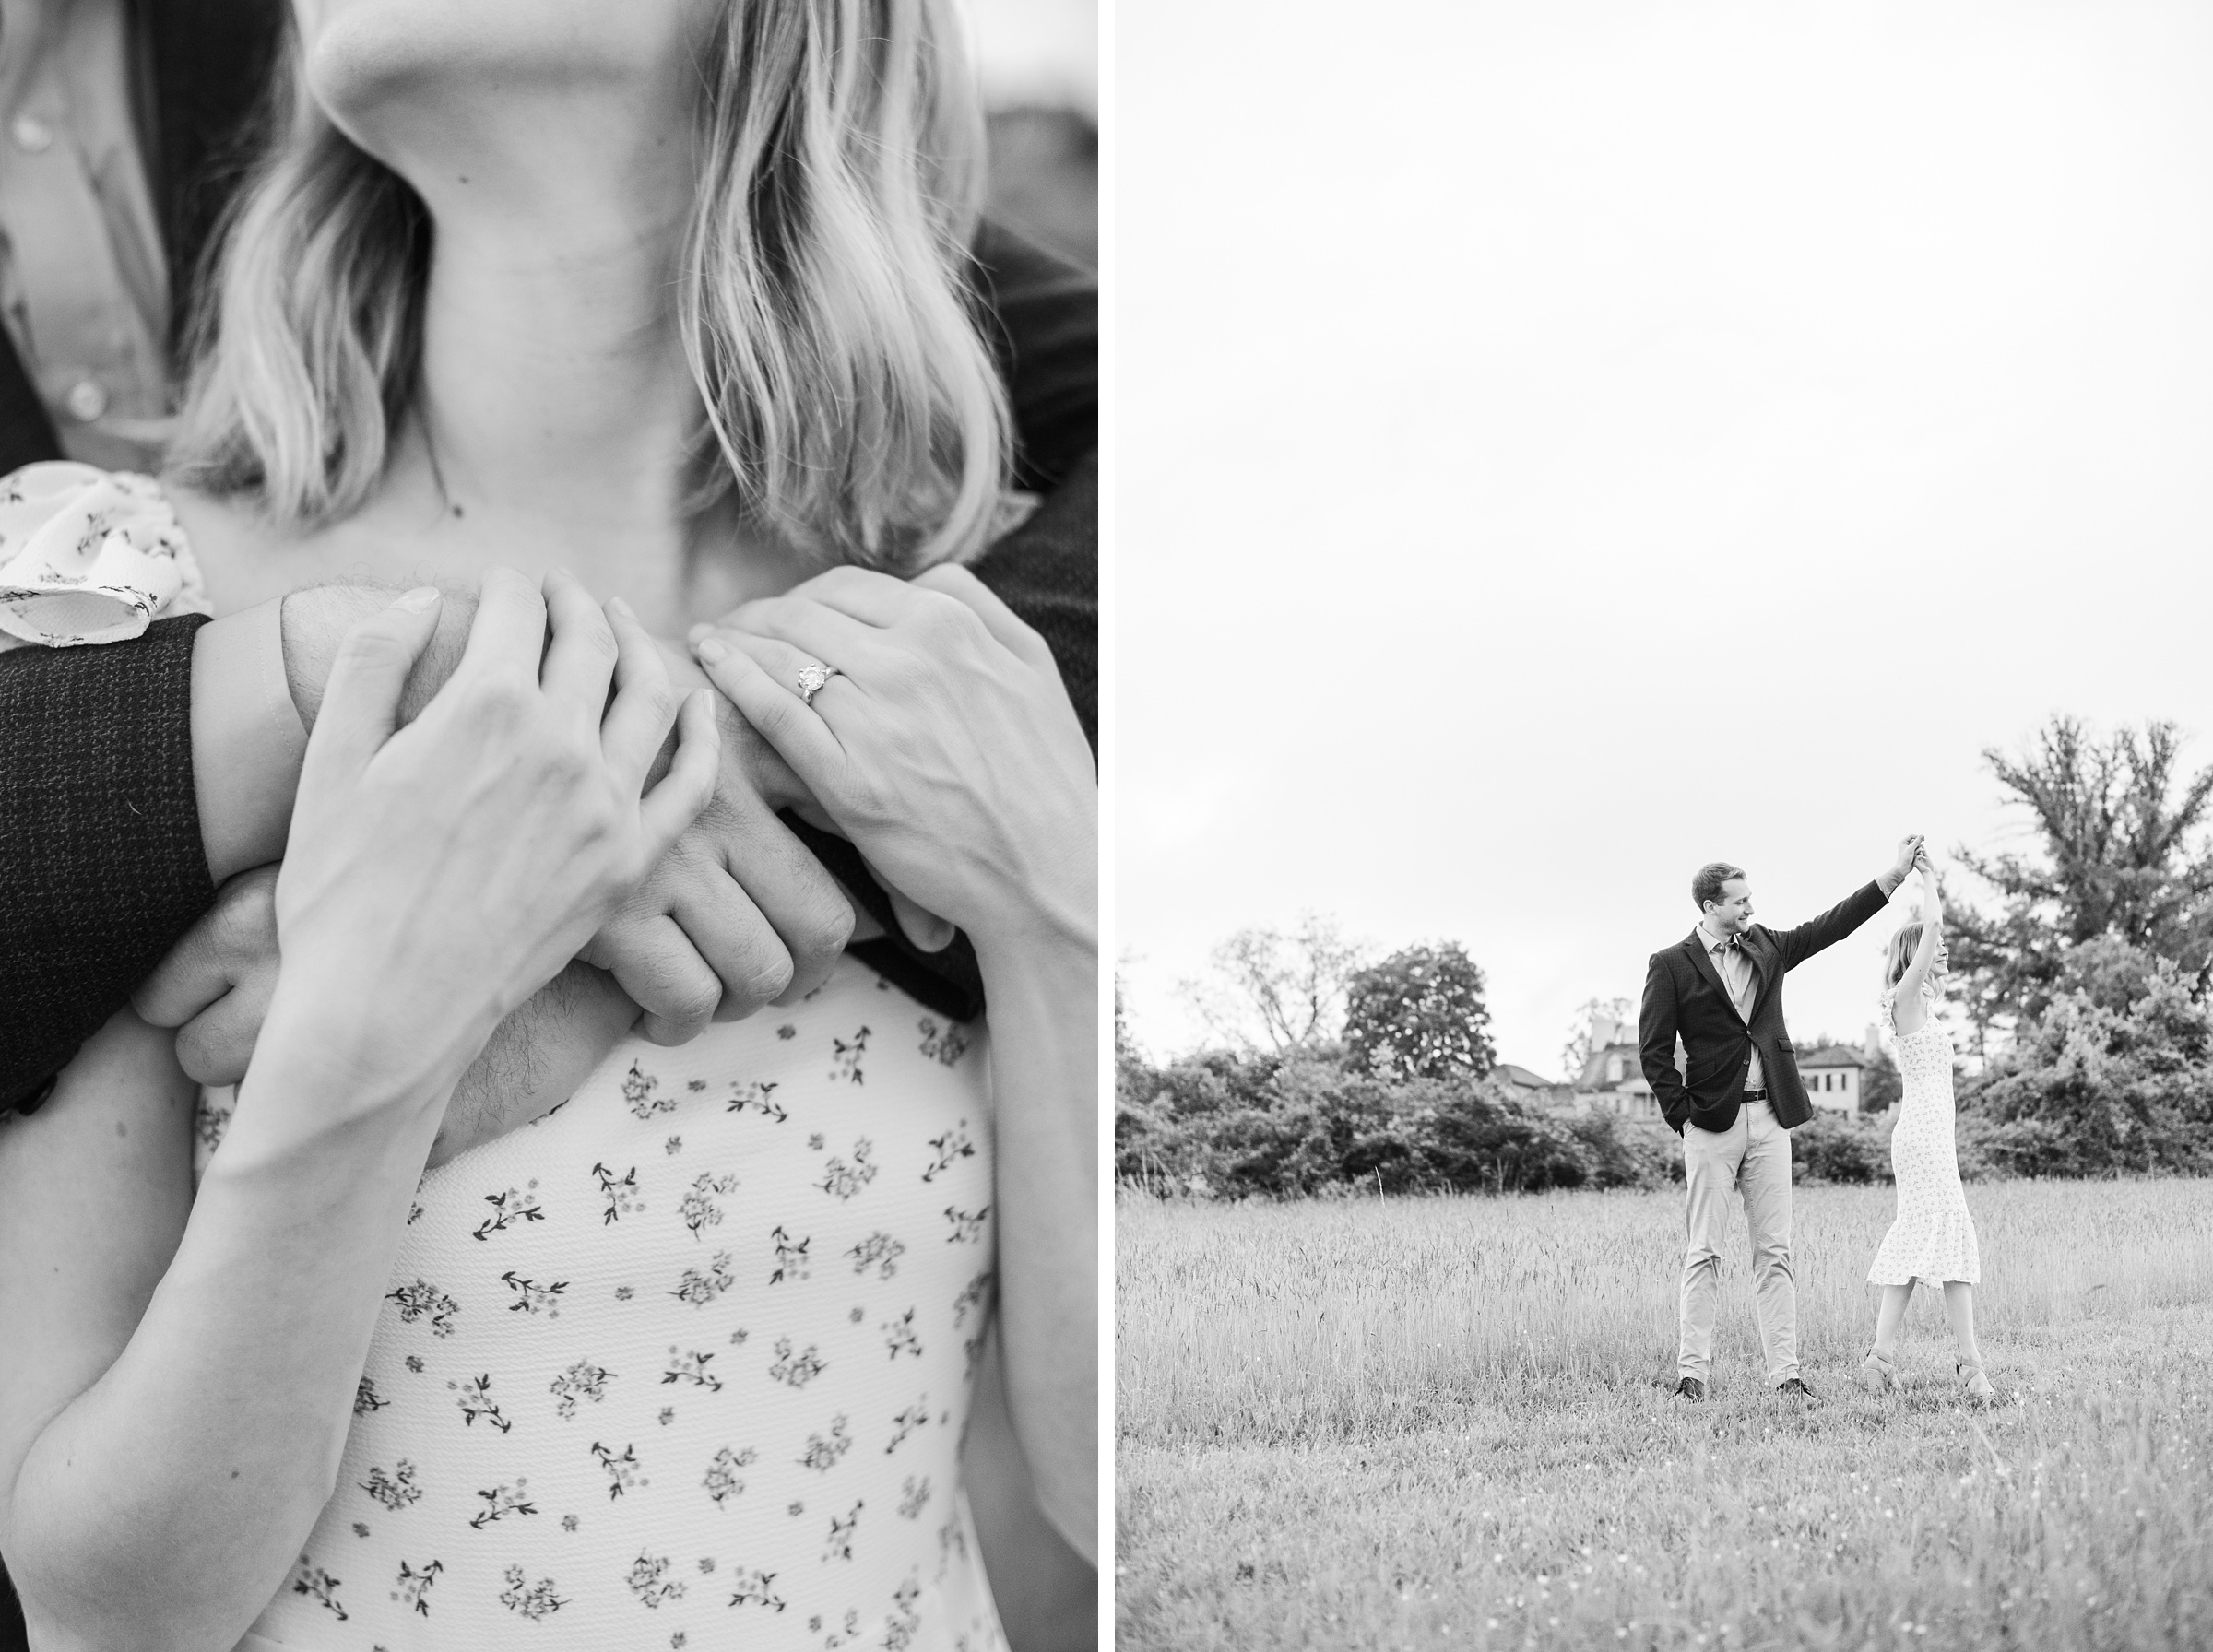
(1738, 1096)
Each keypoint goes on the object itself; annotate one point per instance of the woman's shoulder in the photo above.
(245, 555)
(91, 555)
(1924, 1002)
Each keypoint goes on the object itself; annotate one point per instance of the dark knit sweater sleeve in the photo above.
(101, 867)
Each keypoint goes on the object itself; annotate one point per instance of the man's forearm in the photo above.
(257, 686)
(257, 681)
(536, 1058)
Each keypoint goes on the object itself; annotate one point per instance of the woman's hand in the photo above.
(438, 875)
(943, 745)
(946, 748)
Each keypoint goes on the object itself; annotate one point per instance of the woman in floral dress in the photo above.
(663, 293)
(1933, 1237)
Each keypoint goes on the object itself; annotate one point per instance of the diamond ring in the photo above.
(812, 678)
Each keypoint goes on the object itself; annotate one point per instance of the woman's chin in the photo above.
(374, 70)
(361, 54)
(428, 86)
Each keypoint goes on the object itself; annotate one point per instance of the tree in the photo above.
(1579, 1047)
(1132, 1072)
(2119, 824)
(1267, 990)
(1420, 1014)
(2116, 1075)
(1884, 1087)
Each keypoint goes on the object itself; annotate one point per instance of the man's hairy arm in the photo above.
(536, 1058)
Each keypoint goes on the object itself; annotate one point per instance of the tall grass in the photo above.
(1441, 1422)
(1275, 1321)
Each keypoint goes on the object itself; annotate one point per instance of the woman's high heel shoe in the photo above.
(1880, 1376)
(1971, 1380)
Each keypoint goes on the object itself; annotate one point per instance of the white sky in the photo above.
(1043, 52)
(1561, 443)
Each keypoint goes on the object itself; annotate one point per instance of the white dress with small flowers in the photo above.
(1933, 1237)
(684, 1363)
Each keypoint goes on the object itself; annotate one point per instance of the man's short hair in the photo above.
(1707, 885)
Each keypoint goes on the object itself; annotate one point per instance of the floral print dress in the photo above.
(684, 1363)
(1933, 1237)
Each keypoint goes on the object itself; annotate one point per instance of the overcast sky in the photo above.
(1561, 443)
(1044, 52)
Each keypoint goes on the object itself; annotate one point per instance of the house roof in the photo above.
(1522, 1076)
(1833, 1054)
(1594, 1065)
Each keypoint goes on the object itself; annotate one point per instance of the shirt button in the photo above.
(88, 399)
(32, 134)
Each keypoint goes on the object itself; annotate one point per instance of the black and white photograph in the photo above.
(1662, 826)
(549, 825)
(1021, 825)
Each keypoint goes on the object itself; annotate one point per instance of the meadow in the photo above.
(1445, 1422)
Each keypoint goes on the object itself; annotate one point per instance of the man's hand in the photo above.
(215, 987)
(739, 914)
(1908, 853)
(215, 984)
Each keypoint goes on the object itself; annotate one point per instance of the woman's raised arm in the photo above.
(1907, 1009)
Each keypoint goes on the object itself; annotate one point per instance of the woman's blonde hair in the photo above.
(1900, 958)
(823, 301)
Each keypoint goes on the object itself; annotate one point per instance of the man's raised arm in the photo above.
(1818, 934)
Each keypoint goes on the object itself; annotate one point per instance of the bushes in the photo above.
(2116, 1077)
(1831, 1148)
(1239, 1126)
(1628, 1152)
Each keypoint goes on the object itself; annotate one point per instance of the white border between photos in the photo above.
(1107, 125)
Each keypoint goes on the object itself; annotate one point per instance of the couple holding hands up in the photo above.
(1739, 1094)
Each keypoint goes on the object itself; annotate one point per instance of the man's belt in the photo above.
(1756, 1095)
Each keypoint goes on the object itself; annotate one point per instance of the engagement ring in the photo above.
(812, 678)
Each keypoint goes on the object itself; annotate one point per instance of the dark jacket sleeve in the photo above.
(1656, 1044)
(102, 869)
(1815, 934)
(1043, 328)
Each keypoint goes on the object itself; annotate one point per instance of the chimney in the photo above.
(1871, 1045)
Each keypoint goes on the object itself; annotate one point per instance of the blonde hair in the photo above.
(823, 305)
(1900, 958)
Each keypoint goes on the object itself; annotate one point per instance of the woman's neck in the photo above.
(554, 413)
(553, 398)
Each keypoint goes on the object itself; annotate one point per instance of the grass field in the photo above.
(1439, 1423)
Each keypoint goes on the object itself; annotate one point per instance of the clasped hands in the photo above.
(737, 915)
